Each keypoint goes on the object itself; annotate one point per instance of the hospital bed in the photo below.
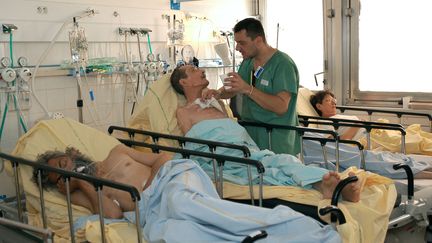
(218, 163)
(337, 214)
(382, 139)
(296, 200)
(156, 112)
(98, 184)
(56, 134)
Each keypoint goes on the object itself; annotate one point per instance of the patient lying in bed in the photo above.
(203, 122)
(376, 161)
(179, 196)
(417, 140)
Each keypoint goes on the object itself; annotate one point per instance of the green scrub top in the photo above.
(280, 74)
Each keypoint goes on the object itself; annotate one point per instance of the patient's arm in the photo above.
(155, 161)
(350, 133)
(183, 120)
(85, 195)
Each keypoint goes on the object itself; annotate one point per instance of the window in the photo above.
(300, 35)
(394, 49)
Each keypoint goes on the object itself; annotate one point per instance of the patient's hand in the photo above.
(208, 93)
(73, 185)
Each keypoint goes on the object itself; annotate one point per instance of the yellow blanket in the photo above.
(417, 141)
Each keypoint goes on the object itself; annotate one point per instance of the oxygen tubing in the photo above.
(18, 110)
(6, 107)
(149, 43)
(10, 50)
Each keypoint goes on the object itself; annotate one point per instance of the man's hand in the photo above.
(238, 85)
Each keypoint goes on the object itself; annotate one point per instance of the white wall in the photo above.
(58, 92)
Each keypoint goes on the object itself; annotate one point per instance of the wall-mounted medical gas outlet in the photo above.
(5, 62)
(134, 31)
(8, 75)
(22, 61)
(8, 28)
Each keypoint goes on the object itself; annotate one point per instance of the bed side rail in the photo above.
(398, 113)
(300, 130)
(98, 183)
(324, 141)
(47, 234)
(186, 153)
(181, 139)
(367, 127)
(336, 120)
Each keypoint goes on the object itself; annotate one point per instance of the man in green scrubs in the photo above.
(267, 82)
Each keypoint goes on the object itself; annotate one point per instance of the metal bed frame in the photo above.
(398, 113)
(336, 123)
(335, 212)
(218, 159)
(47, 235)
(98, 183)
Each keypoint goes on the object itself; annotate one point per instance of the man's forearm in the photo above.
(110, 209)
(273, 103)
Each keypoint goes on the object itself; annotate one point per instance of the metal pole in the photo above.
(363, 160)
(368, 137)
(215, 175)
(221, 180)
(301, 150)
(337, 155)
(69, 206)
(137, 221)
(101, 218)
(47, 234)
(403, 145)
(250, 184)
(324, 152)
(41, 196)
(261, 196)
(269, 139)
(18, 191)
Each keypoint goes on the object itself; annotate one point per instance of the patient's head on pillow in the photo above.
(177, 74)
(71, 159)
(319, 98)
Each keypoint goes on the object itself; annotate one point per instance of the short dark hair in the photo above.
(253, 28)
(318, 98)
(176, 75)
(71, 152)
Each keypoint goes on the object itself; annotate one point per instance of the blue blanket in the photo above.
(181, 205)
(280, 169)
(379, 162)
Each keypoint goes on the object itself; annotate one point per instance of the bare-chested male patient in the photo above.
(191, 82)
(123, 165)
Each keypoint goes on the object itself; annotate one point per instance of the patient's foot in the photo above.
(351, 192)
(328, 184)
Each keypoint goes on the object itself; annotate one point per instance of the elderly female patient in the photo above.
(177, 194)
